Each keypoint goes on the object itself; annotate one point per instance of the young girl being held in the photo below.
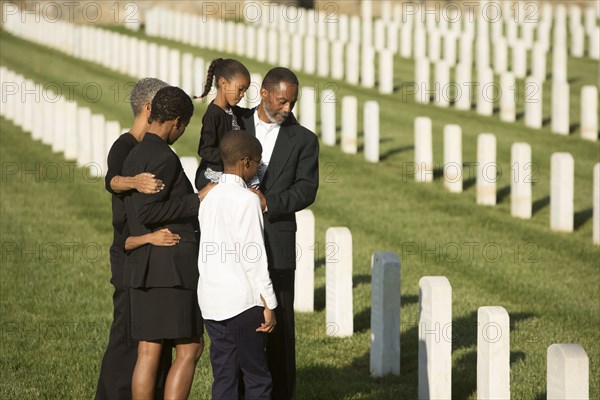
(232, 79)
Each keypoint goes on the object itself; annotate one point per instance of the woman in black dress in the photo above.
(164, 279)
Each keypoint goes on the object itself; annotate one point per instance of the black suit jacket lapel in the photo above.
(281, 153)
(249, 123)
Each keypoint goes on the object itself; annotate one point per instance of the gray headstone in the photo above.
(385, 314)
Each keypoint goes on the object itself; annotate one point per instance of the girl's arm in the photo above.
(162, 237)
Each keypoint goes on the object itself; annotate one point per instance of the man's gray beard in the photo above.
(271, 117)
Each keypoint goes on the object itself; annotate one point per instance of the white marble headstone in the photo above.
(349, 124)
(435, 338)
(423, 150)
(305, 262)
(568, 370)
(562, 172)
(338, 276)
(493, 353)
(486, 169)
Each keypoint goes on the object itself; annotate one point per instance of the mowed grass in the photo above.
(56, 311)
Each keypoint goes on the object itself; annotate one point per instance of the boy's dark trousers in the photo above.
(237, 347)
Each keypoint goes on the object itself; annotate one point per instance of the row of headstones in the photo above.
(562, 175)
(118, 52)
(307, 113)
(307, 53)
(429, 45)
(58, 122)
(438, 21)
(507, 93)
(435, 322)
(281, 41)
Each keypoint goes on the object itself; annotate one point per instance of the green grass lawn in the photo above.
(55, 297)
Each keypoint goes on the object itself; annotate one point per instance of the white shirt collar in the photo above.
(232, 179)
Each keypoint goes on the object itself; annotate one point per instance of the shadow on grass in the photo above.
(502, 194)
(320, 298)
(573, 127)
(396, 150)
(542, 396)
(361, 147)
(438, 174)
(581, 217)
(538, 205)
(326, 382)
(360, 279)
(546, 121)
(468, 183)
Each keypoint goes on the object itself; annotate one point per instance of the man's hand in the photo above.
(164, 237)
(204, 191)
(270, 322)
(261, 196)
(147, 183)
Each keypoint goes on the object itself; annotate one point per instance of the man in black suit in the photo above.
(289, 179)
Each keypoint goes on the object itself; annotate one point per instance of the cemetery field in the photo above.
(55, 296)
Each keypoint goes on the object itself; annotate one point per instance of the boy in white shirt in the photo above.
(235, 293)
